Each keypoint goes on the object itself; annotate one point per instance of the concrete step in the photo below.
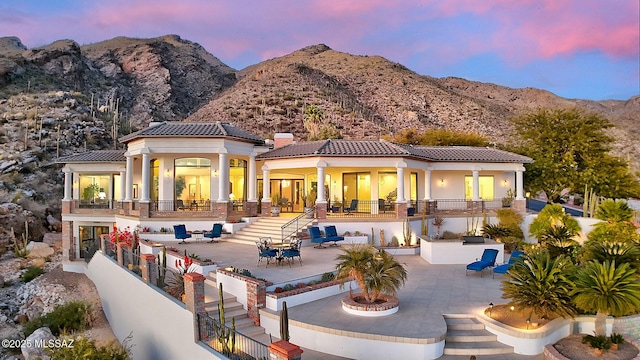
(463, 324)
(251, 331)
(470, 336)
(476, 348)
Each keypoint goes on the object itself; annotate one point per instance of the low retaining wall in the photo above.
(455, 252)
(161, 327)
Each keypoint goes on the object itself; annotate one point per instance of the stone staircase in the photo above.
(267, 226)
(232, 309)
(468, 336)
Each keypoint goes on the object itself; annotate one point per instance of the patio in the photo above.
(430, 292)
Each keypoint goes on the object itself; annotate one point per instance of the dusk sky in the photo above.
(587, 49)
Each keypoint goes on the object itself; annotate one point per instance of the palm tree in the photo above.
(614, 211)
(540, 283)
(376, 272)
(559, 241)
(617, 223)
(620, 252)
(606, 289)
(552, 216)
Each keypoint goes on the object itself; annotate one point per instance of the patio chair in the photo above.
(316, 237)
(264, 252)
(292, 252)
(180, 232)
(488, 260)
(353, 207)
(331, 234)
(180, 205)
(502, 269)
(215, 234)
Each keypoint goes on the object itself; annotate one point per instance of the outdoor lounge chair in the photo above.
(265, 252)
(331, 234)
(180, 232)
(292, 252)
(215, 234)
(352, 207)
(502, 269)
(488, 260)
(316, 237)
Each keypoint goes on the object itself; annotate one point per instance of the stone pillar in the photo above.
(194, 299)
(144, 208)
(284, 350)
(119, 254)
(401, 210)
(129, 180)
(476, 185)
(321, 209)
(265, 206)
(68, 182)
(223, 180)
(68, 251)
(519, 184)
(252, 179)
(149, 273)
(256, 299)
(427, 185)
(146, 176)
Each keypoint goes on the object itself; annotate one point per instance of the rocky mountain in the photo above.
(63, 98)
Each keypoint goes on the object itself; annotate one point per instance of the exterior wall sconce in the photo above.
(214, 173)
(505, 183)
(167, 173)
(441, 182)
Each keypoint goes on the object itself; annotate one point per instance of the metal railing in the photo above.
(364, 209)
(177, 205)
(293, 226)
(238, 346)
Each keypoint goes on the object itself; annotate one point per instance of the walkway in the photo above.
(430, 291)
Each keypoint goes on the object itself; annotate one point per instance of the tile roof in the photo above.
(200, 130)
(94, 156)
(381, 148)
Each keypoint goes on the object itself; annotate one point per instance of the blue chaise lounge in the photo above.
(488, 260)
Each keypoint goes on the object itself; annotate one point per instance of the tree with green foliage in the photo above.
(551, 216)
(606, 289)
(570, 149)
(376, 271)
(440, 137)
(541, 284)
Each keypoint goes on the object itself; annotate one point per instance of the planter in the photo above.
(275, 211)
(389, 306)
(356, 239)
(308, 212)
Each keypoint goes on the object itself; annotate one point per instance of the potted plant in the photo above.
(508, 199)
(309, 201)
(336, 205)
(275, 205)
(616, 340)
(438, 221)
(379, 276)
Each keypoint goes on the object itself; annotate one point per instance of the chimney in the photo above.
(282, 139)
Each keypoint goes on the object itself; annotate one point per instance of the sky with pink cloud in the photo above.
(586, 49)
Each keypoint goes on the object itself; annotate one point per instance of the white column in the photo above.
(223, 184)
(427, 185)
(519, 184)
(129, 185)
(68, 182)
(320, 171)
(476, 185)
(400, 179)
(252, 179)
(266, 189)
(123, 184)
(146, 176)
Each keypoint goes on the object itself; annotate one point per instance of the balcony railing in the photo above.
(363, 209)
(237, 346)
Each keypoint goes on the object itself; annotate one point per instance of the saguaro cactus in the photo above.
(284, 322)
(225, 336)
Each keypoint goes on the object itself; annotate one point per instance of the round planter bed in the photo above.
(389, 306)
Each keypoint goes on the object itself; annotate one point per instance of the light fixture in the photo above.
(102, 195)
(441, 182)
(528, 321)
(167, 173)
(512, 308)
(490, 308)
(505, 183)
(215, 173)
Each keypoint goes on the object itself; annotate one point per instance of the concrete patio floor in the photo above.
(430, 292)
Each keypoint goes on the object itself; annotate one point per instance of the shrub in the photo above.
(71, 316)
(84, 348)
(278, 290)
(450, 235)
(616, 338)
(301, 285)
(328, 276)
(597, 342)
(31, 273)
(288, 287)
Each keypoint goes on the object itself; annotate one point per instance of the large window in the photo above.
(486, 187)
(192, 179)
(387, 186)
(237, 179)
(94, 189)
(356, 186)
(155, 179)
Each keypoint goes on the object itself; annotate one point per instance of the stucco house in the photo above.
(176, 172)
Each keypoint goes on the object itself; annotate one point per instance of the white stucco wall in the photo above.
(161, 326)
(455, 252)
